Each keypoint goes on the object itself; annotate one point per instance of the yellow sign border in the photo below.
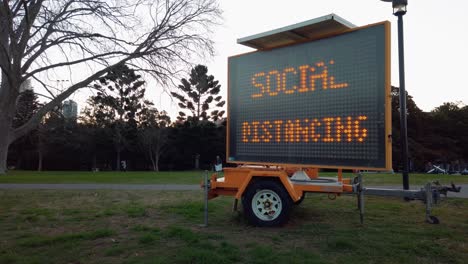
(388, 111)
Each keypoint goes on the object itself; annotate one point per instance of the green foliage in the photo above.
(439, 136)
(26, 146)
(120, 98)
(153, 135)
(118, 106)
(451, 125)
(191, 140)
(199, 94)
(26, 107)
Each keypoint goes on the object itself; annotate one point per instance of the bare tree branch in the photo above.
(40, 37)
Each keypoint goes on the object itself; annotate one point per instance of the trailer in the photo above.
(269, 193)
(313, 95)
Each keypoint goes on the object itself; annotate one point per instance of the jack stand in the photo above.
(360, 198)
(429, 202)
(207, 187)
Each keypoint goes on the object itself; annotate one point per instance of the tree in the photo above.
(94, 143)
(40, 37)
(195, 142)
(153, 135)
(449, 130)
(26, 107)
(119, 104)
(435, 136)
(51, 132)
(198, 96)
(415, 125)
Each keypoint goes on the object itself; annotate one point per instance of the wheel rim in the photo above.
(266, 205)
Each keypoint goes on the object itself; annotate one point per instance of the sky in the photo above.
(435, 36)
(436, 39)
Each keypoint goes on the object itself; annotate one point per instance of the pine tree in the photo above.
(118, 105)
(26, 107)
(199, 94)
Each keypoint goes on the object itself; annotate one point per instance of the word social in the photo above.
(274, 82)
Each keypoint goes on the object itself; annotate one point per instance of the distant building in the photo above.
(70, 109)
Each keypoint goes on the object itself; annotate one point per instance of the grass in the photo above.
(41, 240)
(415, 178)
(194, 177)
(44, 226)
(130, 177)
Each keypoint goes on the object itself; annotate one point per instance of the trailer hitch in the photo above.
(429, 195)
(445, 189)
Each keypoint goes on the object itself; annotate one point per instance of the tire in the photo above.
(266, 204)
(298, 202)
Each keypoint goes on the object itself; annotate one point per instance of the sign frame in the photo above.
(387, 107)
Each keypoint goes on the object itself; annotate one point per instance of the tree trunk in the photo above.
(4, 144)
(117, 167)
(197, 161)
(156, 163)
(9, 91)
(153, 164)
(6, 133)
(40, 158)
(94, 162)
(41, 146)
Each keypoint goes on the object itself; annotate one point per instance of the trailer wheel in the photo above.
(298, 202)
(266, 203)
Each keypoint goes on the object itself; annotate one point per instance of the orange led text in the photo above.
(327, 129)
(274, 82)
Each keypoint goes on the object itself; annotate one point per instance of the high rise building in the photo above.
(70, 109)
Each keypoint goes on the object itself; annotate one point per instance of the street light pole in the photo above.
(399, 9)
(403, 110)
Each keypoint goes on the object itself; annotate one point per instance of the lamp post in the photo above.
(399, 9)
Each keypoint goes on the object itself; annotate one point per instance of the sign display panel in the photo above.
(323, 103)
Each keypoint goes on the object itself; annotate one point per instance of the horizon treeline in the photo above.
(120, 130)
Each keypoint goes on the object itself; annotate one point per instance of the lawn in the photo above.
(130, 177)
(193, 177)
(163, 227)
(418, 179)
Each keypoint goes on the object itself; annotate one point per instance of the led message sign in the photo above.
(323, 103)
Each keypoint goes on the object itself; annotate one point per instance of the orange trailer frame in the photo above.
(235, 181)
